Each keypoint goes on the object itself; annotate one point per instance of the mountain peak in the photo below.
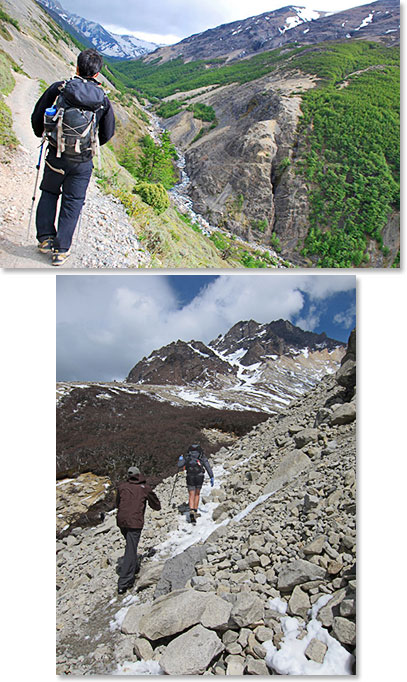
(107, 43)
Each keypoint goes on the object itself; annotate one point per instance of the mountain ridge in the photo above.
(109, 44)
(247, 343)
(269, 30)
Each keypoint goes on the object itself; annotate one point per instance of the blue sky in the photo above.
(106, 324)
(164, 21)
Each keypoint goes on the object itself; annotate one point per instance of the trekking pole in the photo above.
(173, 487)
(35, 186)
(79, 225)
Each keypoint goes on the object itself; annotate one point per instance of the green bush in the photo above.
(156, 162)
(203, 112)
(168, 109)
(154, 195)
(9, 20)
(260, 225)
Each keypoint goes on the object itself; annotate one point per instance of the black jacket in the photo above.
(104, 117)
(131, 499)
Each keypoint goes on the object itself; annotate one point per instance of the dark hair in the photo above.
(89, 63)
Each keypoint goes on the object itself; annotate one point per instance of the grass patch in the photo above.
(7, 136)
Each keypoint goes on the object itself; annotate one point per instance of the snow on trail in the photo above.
(290, 658)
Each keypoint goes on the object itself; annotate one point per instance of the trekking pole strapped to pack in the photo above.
(43, 142)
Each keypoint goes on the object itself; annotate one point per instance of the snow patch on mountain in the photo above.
(366, 21)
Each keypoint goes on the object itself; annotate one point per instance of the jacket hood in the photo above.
(139, 478)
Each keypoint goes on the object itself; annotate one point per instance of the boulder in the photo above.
(344, 630)
(304, 437)
(150, 575)
(179, 569)
(192, 652)
(222, 509)
(235, 665)
(173, 613)
(143, 649)
(247, 609)
(316, 651)
(299, 603)
(298, 572)
(132, 618)
(256, 667)
(216, 614)
(291, 465)
(315, 546)
(344, 414)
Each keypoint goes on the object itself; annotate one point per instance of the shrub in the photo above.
(260, 225)
(154, 195)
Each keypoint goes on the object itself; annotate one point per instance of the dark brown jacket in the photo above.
(131, 499)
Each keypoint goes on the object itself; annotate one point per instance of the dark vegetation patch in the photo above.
(107, 435)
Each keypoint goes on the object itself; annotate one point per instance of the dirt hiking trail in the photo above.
(104, 237)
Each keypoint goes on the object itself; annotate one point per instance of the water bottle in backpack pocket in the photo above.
(49, 119)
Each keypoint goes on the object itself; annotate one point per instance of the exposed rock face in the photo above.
(235, 169)
(346, 375)
(82, 500)
(291, 553)
(194, 362)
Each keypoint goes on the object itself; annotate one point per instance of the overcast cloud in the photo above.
(105, 325)
(170, 21)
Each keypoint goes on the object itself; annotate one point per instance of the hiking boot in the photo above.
(59, 257)
(197, 514)
(192, 516)
(46, 245)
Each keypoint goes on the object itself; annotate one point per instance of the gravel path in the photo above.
(104, 238)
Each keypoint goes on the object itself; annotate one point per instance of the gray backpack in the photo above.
(70, 125)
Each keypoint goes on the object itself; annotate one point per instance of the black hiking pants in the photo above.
(69, 179)
(129, 566)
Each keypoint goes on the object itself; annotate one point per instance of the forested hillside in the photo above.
(346, 147)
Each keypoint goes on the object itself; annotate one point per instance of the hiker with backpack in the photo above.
(74, 116)
(132, 497)
(195, 463)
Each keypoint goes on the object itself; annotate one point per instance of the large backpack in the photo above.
(72, 129)
(193, 462)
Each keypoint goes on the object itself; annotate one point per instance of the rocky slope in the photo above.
(266, 581)
(232, 167)
(284, 25)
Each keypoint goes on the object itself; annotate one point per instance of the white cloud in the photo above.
(181, 17)
(347, 318)
(311, 321)
(107, 324)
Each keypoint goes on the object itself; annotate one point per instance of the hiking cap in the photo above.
(133, 471)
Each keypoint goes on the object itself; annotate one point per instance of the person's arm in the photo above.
(107, 123)
(208, 468)
(46, 100)
(153, 501)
